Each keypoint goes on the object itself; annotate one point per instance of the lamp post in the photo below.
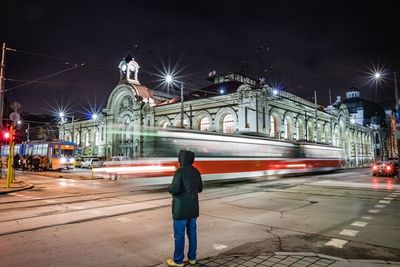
(27, 130)
(94, 140)
(378, 76)
(169, 79)
(62, 116)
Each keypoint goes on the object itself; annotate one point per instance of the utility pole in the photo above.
(316, 114)
(3, 54)
(182, 105)
(396, 91)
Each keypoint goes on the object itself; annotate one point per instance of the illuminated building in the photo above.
(233, 104)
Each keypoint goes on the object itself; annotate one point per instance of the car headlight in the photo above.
(63, 160)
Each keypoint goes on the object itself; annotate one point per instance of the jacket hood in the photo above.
(185, 157)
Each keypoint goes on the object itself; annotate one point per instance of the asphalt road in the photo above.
(70, 222)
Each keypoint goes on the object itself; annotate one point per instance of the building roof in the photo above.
(371, 109)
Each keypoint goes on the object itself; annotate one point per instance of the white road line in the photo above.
(339, 243)
(349, 232)
(380, 206)
(374, 211)
(388, 198)
(359, 224)
(367, 217)
(393, 195)
(384, 201)
(219, 246)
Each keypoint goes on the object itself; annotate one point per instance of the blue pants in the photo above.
(179, 238)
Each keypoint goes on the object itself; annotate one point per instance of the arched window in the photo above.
(77, 139)
(205, 124)
(87, 139)
(185, 123)
(228, 124)
(96, 137)
(272, 126)
(287, 129)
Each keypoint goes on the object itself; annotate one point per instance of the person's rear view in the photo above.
(184, 189)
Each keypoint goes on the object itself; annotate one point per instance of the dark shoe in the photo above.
(171, 263)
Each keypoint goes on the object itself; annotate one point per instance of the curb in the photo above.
(11, 190)
(63, 176)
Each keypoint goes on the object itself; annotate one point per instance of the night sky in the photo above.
(300, 46)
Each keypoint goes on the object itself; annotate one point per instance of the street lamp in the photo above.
(169, 79)
(27, 130)
(378, 76)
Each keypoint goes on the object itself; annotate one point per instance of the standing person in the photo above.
(184, 189)
(29, 161)
(16, 161)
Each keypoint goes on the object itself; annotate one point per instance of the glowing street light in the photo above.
(170, 79)
(377, 75)
(94, 116)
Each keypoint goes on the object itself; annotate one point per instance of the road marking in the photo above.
(50, 201)
(359, 224)
(380, 206)
(384, 201)
(374, 211)
(393, 195)
(367, 217)
(339, 243)
(123, 219)
(349, 232)
(219, 247)
(388, 198)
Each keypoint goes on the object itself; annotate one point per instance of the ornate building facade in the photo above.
(235, 104)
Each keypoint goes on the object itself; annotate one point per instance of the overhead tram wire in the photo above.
(45, 77)
(65, 61)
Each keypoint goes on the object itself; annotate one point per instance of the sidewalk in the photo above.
(67, 174)
(295, 259)
(15, 186)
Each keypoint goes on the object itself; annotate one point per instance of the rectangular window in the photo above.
(263, 118)
(246, 123)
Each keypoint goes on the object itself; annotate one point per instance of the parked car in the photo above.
(117, 160)
(78, 163)
(386, 168)
(89, 163)
(120, 158)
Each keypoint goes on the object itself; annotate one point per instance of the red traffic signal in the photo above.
(6, 135)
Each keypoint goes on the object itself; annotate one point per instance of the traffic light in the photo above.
(6, 135)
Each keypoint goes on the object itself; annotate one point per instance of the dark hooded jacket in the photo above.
(185, 187)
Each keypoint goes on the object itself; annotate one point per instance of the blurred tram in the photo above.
(52, 155)
(222, 156)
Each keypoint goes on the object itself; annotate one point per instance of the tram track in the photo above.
(97, 212)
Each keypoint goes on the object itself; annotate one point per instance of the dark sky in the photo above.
(312, 45)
